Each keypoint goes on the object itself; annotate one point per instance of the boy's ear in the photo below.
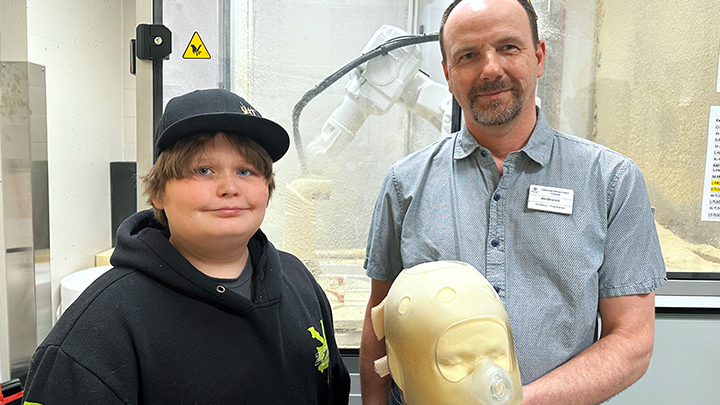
(157, 203)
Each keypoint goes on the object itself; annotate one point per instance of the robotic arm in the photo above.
(391, 78)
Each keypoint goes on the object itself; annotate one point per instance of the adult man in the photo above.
(467, 198)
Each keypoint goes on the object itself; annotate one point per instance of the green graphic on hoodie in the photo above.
(322, 357)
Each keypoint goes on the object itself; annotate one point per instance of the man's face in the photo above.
(224, 199)
(492, 64)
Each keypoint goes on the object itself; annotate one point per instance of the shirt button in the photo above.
(496, 197)
(483, 154)
(495, 243)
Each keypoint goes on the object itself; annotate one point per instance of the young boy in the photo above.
(200, 307)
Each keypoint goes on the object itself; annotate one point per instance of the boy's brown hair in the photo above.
(177, 162)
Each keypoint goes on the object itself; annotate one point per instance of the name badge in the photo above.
(550, 199)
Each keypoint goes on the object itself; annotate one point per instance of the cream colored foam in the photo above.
(448, 337)
(103, 258)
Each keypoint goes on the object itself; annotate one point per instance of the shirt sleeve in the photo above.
(55, 378)
(633, 262)
(383, 260)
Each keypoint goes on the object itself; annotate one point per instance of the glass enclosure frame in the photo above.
(273, 60)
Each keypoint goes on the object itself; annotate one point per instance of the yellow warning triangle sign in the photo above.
(196, 49)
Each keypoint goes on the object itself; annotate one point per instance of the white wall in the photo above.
(129, 99)
(81, 45)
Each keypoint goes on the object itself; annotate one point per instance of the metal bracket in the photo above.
(153, 41)
(133, 55)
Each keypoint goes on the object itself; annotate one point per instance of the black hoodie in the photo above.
(155, 330)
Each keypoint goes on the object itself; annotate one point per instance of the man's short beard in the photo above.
(494, 114)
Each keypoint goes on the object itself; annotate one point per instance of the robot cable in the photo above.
(382, 49)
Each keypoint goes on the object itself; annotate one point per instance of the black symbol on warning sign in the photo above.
(196, 49)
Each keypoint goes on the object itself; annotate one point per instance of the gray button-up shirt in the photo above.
(448, 202)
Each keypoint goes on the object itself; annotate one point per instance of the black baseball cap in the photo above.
(212, 110)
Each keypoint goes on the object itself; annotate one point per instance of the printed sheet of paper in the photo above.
(711, 185)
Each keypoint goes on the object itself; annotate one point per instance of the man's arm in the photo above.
(618, 359)
(375, 390)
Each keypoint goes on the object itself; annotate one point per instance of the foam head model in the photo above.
(448, 338)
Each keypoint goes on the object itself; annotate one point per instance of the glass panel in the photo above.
(184, 19)
(605, 80)
(656, 81)
(275, 52)
(635, 78)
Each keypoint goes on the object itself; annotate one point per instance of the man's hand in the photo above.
(375, 390)
(618, 359)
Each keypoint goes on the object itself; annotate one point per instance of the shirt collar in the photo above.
(465, 144)
(538, 147)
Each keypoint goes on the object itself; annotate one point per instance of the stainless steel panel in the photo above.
(24, 216)
(21, 308)
(37, 103)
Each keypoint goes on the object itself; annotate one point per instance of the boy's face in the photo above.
(223, 200)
